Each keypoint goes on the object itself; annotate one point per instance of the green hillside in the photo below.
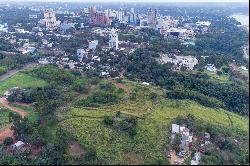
(154, 118)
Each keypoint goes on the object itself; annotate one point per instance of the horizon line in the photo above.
(124, 1)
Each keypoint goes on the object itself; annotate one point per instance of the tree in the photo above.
(177, 142)
(8, 141)
(108, 120)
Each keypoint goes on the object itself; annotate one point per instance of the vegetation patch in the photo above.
(21, 80)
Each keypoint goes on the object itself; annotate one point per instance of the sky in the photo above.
(167, 1)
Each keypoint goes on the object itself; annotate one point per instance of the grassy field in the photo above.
(32, 116)
(20, 80)
(4, 117)
(147, 146)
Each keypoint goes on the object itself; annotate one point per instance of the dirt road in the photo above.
(7, 132)
(5, 104)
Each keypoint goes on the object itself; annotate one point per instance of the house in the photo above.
(243, 68)
(145, 83)
(17, 145)
(81, 53)
(211, 68)
(20, 147)
(175, 128)
(96, 58)
(11, 91)
(207, 136)
(196, 159)
(104, 74)
(93, 44)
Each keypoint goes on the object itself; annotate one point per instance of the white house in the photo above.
(93, 44)
(211, 68)
(18, 144)
(81, 53)
(175, 128)
(145, 83)
(196, 159)
(243, 68)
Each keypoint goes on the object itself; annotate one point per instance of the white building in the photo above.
(165, 23)
(120, 15)
(211, 68)
(175, 128)
(145, 83)
(18, 144)
(196, 159)
(81, 53)
(50, 20)
(186, 61)
(4, 27)
(113, 40)
(93, 44)
(243, 68)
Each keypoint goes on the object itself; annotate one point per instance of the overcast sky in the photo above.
(167, 1)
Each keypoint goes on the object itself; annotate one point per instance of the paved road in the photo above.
(13, 72)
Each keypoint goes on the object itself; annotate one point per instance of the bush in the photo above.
(8, 141)
(108, 120)
(219, 72)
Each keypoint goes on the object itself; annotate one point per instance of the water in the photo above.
(242, 18)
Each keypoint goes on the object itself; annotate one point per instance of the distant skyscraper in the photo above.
(50, 20)
(113, 40)
(132, 10)
(92, 10)
(120, 15)
(152, 17)
(98, 17)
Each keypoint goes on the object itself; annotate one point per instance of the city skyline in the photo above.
(144, 1)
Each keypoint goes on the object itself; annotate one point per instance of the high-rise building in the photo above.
(113, 40)
(152, 18)
(98, 17)
(50, 20)
(132, 10)
(120, 15)
(92, 10)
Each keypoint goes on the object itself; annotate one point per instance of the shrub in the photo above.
(108, 120)
(8, 141)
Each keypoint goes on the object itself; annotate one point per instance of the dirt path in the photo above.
(7, 132)
(175, 158)
(5, 104)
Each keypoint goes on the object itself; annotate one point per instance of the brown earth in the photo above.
(76, 150)
(7, 132)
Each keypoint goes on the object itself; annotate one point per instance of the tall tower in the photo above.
(152, 18)
(120, 15)
(113, 40)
